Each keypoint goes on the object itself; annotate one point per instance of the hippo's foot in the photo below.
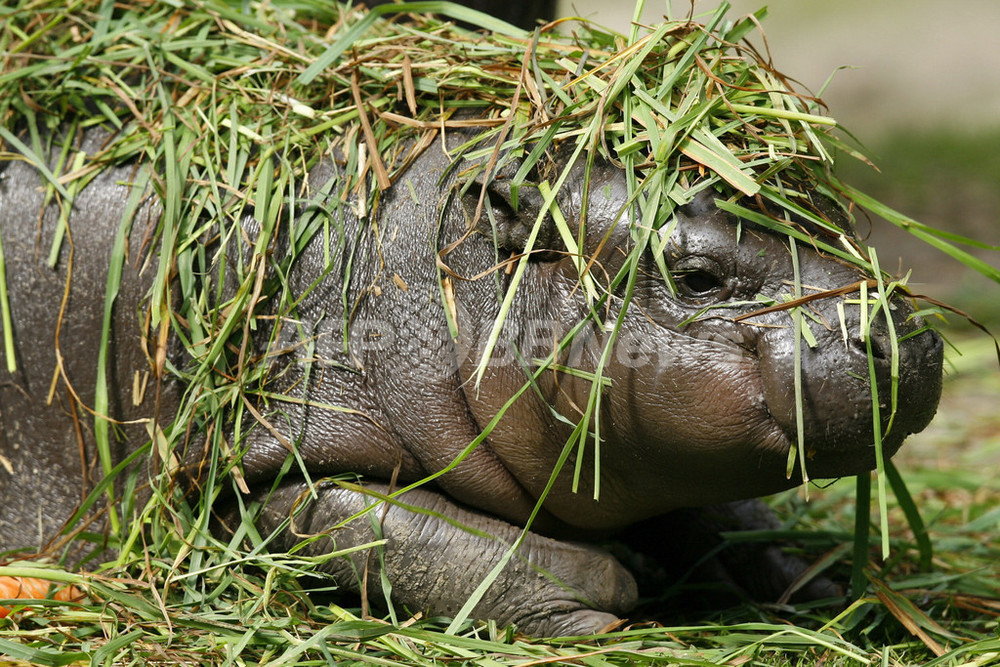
(684, 552)
(436, 553)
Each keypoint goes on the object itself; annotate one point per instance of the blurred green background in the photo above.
(920, 87)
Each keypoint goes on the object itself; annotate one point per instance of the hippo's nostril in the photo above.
(878, 346)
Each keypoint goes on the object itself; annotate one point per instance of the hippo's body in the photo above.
(699, 409)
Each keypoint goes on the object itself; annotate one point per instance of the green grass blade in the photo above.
(36, 161)
(40, 656)
(862, 524)
(924, 546)
(5, 317)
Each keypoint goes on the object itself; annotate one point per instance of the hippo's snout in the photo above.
(837, 396)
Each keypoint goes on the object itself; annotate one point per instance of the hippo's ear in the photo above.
(508, 220)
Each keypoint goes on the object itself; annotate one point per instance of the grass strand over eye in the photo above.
(797, 453)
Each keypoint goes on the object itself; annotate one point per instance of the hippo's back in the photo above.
(47, 446)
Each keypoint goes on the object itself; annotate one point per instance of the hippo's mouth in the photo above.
(824, 463)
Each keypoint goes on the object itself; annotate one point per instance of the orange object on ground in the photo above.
(30, 588)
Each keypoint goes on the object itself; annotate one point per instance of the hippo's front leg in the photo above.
(549, 588)
(691, 543)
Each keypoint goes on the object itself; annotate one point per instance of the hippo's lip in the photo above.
(822, 463)
(780, 444)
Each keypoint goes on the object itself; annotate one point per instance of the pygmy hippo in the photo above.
(697, 407)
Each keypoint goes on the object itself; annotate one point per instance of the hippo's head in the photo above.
(699, 405)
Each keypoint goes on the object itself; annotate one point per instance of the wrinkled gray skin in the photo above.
(695, 415)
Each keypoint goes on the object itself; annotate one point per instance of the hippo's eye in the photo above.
(699, 277)
(701, 282)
